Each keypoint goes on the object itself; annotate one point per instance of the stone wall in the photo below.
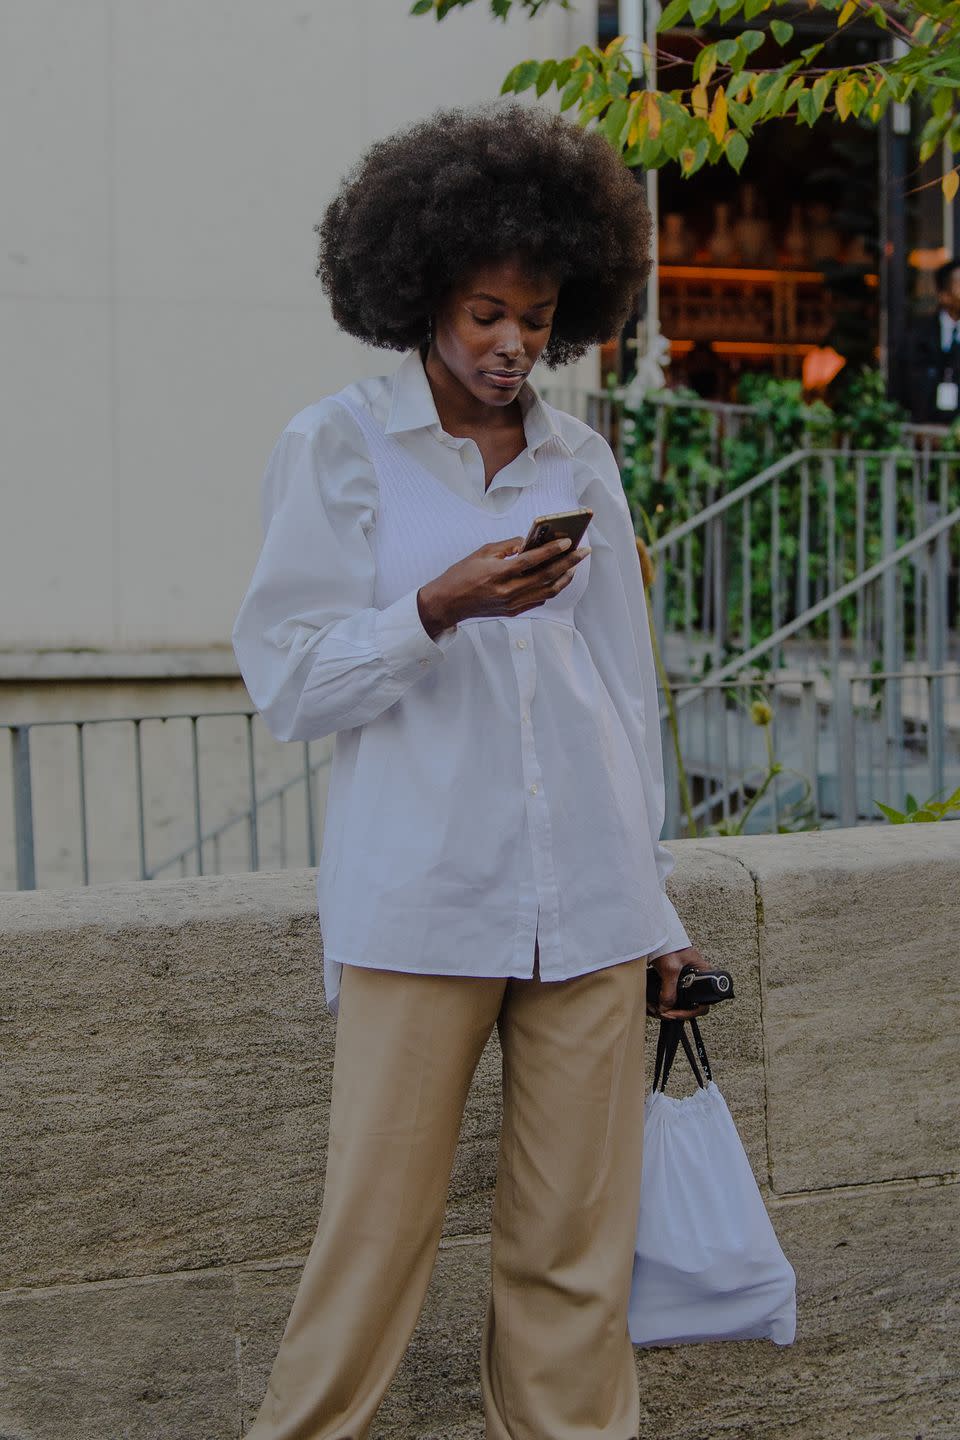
(168, 1062)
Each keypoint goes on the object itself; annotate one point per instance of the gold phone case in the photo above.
(572, 523)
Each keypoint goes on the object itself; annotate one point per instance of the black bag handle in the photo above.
(673, 1034)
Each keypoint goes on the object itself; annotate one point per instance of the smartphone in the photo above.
(569, 523)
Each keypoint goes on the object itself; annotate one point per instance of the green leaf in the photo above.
(821, 92)
(754, 7)
(508, 80)
(751, 40)
(691, 160)
(781, 31)
(675, 11)
(701, 10)
(811, 52)
(941, 103)
(726, 49)
(548, 73)
(894, 816)
(791, 95)
(738, 85)
(651, 154)
(572, 91)
(772, 94)
(922, 817)
(525, 75)
(421, 7)
(740, 116)
(616, 118)
(736, 151)
(707, 56)
(911, 804)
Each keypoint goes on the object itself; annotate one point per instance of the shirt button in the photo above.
(521, 644)
(424, 662)
(533, 789)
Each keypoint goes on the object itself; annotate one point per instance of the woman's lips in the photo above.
(503, 379)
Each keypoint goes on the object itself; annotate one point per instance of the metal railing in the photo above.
(882, 586)
(604, 410)
(250, 812)
(896, 614)
(825, 517)
(839, 747)
(843, 741)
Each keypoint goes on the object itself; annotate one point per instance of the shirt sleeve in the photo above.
(315, 653)
(612, 618)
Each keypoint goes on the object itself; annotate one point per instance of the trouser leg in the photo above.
(557, 1362)
(406, 1049)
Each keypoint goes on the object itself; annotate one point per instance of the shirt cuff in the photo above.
(402, 641)
(677, 938)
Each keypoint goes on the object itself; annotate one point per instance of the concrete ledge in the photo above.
(31, 666)
(171, 1055)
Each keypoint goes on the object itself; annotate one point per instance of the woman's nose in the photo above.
(510, 343)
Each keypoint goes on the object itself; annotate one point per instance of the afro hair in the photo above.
(467, 187)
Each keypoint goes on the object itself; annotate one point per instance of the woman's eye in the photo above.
(486, 319)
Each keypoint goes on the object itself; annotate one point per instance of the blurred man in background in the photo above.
(934, 354)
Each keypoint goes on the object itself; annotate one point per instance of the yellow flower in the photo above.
(761, 713)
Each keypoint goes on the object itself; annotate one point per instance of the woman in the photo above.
(491, 853)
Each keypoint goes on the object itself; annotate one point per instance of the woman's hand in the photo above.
(668, 967)
(497, 580)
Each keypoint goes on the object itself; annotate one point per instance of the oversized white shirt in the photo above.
(503, 784)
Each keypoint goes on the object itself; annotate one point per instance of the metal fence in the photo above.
(604, 411)
(144, 796)
(843, 742)
(820, 751)
(761, 559)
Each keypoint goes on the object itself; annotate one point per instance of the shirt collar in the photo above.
(412, 407)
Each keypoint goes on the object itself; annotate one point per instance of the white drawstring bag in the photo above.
(707, 1264)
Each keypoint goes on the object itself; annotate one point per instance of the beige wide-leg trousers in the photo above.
(557, 1363)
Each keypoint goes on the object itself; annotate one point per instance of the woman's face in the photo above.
(492, 328)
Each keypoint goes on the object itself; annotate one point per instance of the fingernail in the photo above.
(565, 543)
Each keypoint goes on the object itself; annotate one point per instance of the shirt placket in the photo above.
(537, 808)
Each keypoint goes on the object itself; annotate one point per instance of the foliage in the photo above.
(674, 465)
(796, 815)
(732, 92)
(931, 810)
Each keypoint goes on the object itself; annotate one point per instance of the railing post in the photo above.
(809, 740)
(833, 619)
(803, 566)
(847, 800)
(671, 782)
(888, 602)
(23, 808)
(775, 566)
(938, 559)
(252, 782)
(308, 793)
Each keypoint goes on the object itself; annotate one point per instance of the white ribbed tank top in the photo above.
(422, 527)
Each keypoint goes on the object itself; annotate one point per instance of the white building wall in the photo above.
(162, 164)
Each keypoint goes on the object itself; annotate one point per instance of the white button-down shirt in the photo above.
(500, 785)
